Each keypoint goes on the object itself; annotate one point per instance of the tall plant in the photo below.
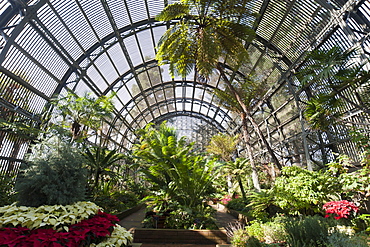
(100, 162)
(224, 146)
(208, 32)
(168, 163)
(80, 113)
(331, 72)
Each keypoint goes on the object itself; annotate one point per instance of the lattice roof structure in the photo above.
(104, 46)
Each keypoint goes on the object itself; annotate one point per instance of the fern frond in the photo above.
(173, 11)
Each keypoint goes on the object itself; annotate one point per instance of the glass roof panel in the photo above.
(137, 10)
(3, 6)
(119, 13)
(116, 54)
(69, 12)
(99, 21)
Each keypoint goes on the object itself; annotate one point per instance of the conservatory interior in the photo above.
(185, 123)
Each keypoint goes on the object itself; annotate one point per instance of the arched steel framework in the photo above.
(104, 46)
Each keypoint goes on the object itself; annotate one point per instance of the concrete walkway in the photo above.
(222, 217)
(133, 220)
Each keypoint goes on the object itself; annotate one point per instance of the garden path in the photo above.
(134, 220)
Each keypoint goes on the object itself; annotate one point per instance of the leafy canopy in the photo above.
(249, 90)
(206, 31)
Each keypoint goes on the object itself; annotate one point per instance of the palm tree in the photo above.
(100, 161)
(83, 112)
(209, 31)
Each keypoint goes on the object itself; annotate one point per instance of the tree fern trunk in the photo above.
(249, 116)
(247, 138)
(265, 142)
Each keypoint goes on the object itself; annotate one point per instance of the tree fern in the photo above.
(207, 31)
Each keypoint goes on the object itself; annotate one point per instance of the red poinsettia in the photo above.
(340, 209)
(80, 234)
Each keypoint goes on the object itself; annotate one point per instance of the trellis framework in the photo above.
(104, 46)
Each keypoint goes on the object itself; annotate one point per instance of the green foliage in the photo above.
(310, 231)
(363, 223)
(240, 238)
(332, 71)
(338, 239)
(101, 162)
(196, 218)
(255, 229)
(353, 184)
(322, 111)
(207, 31)
(171, 167)
(223, 146)
(54, 175)
(247, 88)
(274, 231)
(262, 205)
(79, 111)
(238, 204)
(7, 193)
(115, 202)
(299, 191)
(20, 128)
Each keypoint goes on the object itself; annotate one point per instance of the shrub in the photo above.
(274, 231)
(338, 239)
(7, 193)
(256, 230)
(115, 202)
(340, 209)
(238, 204)
(55, 177)
(240, 238)
(196, 218)
(308, 231)
(299, 191)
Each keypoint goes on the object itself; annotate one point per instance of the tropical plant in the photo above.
(224, 146)
(196, 218)
(169, 165)
(82, 112)
(100, 163)
(51, 216)
(240, 96)
(308, 231)
(331, 72)
(322, 111)
(299, 191)
(206, 32)
(99, 230)
(340, 209)
(7, 193)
